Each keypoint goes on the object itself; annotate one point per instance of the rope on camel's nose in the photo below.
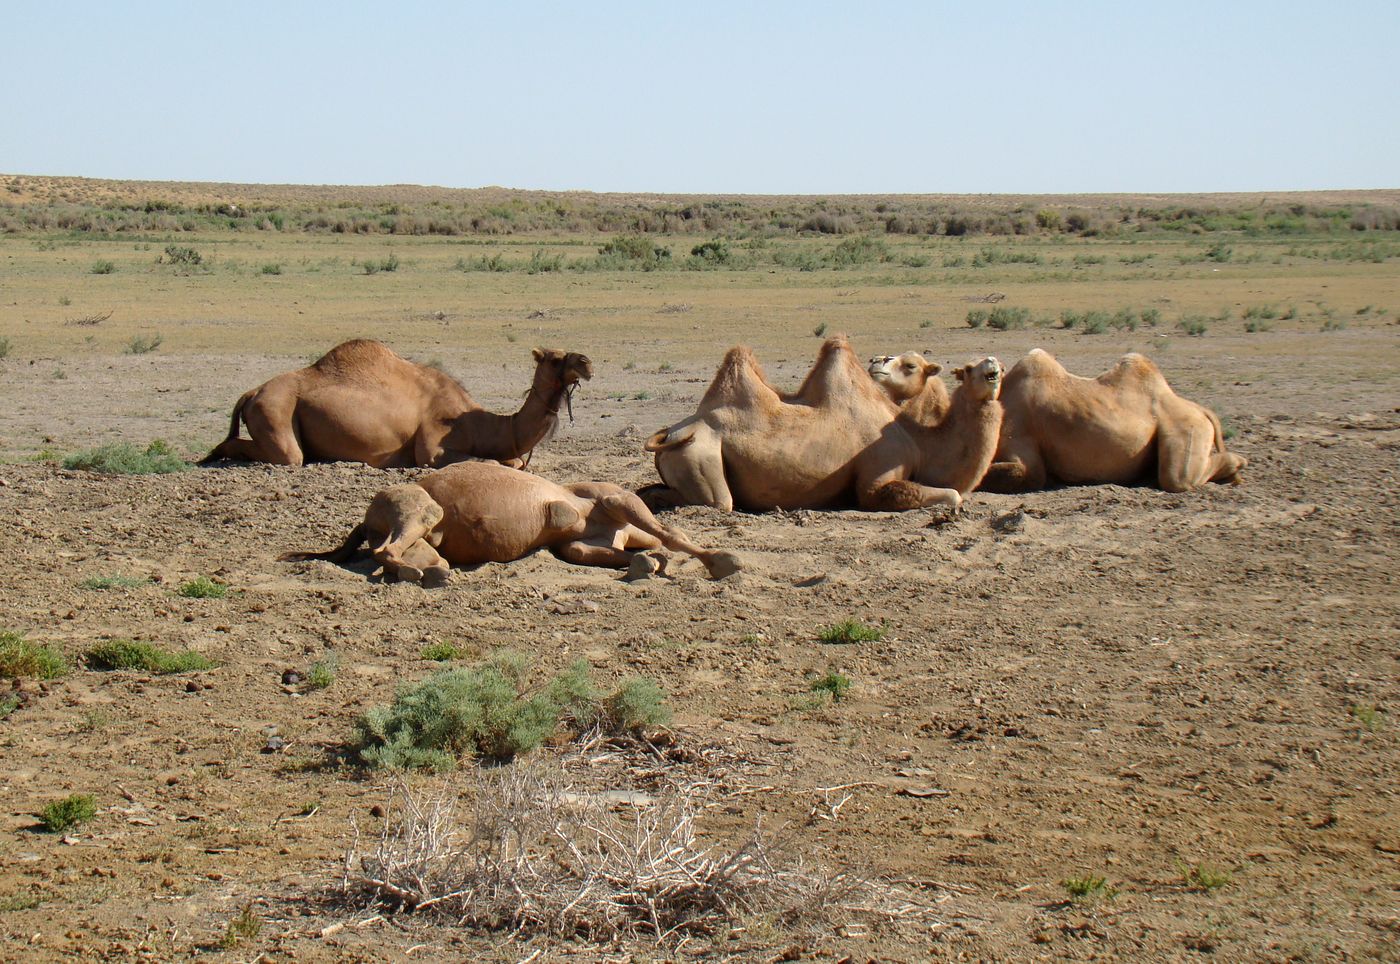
(569, 399)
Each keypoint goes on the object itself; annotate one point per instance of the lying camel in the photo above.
(909, 376)
(360, 402)
(474, 512)
(1106, 429)
(833, 442)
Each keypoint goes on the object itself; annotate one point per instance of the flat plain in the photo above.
(1191, 696)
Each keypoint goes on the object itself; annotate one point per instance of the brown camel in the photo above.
(909, 376)
(360, 402)
(474, 512)
(832, 443)
(1113, 428)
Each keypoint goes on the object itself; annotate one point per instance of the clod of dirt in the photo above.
(290, 677)
(572, 606)
(274, 744)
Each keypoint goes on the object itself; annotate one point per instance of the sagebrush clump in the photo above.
(492, 710)
(123, 458)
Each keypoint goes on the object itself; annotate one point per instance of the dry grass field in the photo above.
(1193, 697)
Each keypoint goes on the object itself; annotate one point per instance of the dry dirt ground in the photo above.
(1101, 681)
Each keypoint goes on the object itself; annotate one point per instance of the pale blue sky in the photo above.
(715, 97)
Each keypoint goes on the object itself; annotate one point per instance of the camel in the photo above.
(1112, 428)
(908, 376)
(360, 402)
(833, 442)
(475, 512)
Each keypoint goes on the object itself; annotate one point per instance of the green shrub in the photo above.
(128, 654)
(632, 251)
(541, 263)
(443, 652)
(67, 813)
(1088, 887)
(102, 583)
(272, 267)
(123, 458)
(103, 267)
(851, 631)
(819, 329)
(1193, 325)
(1219, 252)
(1005, 319)
(323, 672)
(715, 252)
(202, 587)
(489, 710)
(976, 318)
(144, 344)
(8, 704)
(4, 347)
(834, 683)
(19, 658)
(175, 254)
(860, 250)
(1151, 317)
(1204, 877)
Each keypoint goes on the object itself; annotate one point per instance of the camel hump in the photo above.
(1136, 369)
(356, 355)
(739, 380)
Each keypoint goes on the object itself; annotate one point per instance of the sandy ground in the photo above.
(1105, 681)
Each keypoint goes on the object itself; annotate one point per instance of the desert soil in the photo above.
(1108, 681)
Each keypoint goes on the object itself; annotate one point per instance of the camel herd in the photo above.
(886, 435)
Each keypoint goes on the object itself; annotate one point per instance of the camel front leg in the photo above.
(402, 515)
(418, 562)
(1017, 471)
(644, 530)
(583, 552)
(891, 491)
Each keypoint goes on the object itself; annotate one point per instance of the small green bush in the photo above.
(176, 254)
(490, 710)
(144, 344)
(67, 813)
(123, 458)
(272, 267)
(8, 704)
(1193, 325)
(834, 683)
(715, 252)
(103, 583)
(103, 267)
(541, 263)
(976, 318)
(1204, 877)
(443, 652)
(820, 329)
(1088, 887)
(851, 631)
(1006, 319)
(860, 250)
(323, 672)
(4, 347)
(202, 587)
(19, 658)
(122, 654)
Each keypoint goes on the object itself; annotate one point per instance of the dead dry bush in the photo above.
(518, 849)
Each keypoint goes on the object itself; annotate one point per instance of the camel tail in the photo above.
(659, 442)
(234, 420)
(339, 554)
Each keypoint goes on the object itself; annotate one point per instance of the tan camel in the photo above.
(909, 376)
(832, 443)
(1113, 428)
(360, 402)
(474, 512)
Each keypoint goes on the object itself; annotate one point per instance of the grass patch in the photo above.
(1204, 877)
(22, 659)
(323, 672)
(202, 587)
(130, 654)
(8, 704)
(1193, 325)
(103, 583)
(1088, 888)
(245, 927)
(1368, 716)
(68, 813)
(123, 458)
(492, 710)
(103, 267)
(834, 684)
(143, 344)
(850, 631)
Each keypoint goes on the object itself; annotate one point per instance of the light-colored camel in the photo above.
(831, 444)
(360, 402)
(1113, 428)
(474, 512)
(912, 376)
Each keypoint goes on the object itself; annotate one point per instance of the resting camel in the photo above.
(835, 441)
(1107, 429)
(474, 512)
(360, 402)
(908, 376)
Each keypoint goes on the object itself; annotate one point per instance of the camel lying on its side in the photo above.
(832, 443)
(360, 402)
(1113, 428)
(474, 512)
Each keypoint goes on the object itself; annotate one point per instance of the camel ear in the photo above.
(933, 368)
(960, 373)
(538, 353)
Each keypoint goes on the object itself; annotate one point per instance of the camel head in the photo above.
(902, 376)
(565, 369)
(982, 378)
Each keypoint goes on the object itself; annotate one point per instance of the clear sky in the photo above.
(709, 97)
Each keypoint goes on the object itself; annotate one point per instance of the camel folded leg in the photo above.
(418, 562)
(693, 469)
(402, 515)
(900, 495)
(628, 509)
(1017, 473)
